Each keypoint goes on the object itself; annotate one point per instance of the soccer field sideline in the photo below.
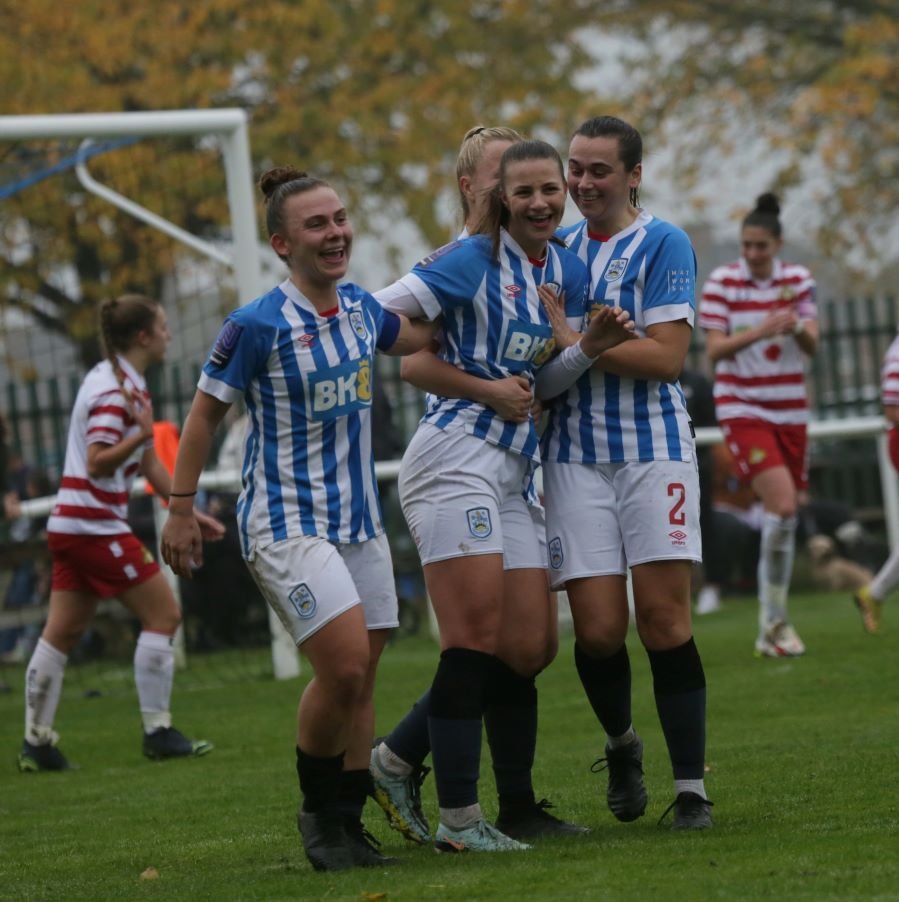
(801, 767)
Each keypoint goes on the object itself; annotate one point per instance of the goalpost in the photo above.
(228, 128)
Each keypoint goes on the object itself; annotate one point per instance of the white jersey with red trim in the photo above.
(98, 505)
(765, 381)
(889, 375)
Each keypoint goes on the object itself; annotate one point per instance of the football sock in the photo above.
(154, 671)
(695, 786)
(391, 763)
(775, 570)
(607, 682)
(351, 794)
(679, 687)
(886, 579)
(43, 685)
(454, 724)
(320, 780)
(409, 739)
(510, 721)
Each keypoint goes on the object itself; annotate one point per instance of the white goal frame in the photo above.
(230, 127)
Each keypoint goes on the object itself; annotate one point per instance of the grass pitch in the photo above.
(802, 763)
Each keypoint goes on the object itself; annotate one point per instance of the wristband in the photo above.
(182, 494)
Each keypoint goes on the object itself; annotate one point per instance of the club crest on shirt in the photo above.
(479, 524)
(303, 601)
(556, 555)
(615, 269)
(225, 343)
(358, 324)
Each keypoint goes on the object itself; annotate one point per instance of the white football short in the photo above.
(308, 582)
(603, 518)
(463, 496)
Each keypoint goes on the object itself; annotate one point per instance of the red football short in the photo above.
(757, 446)
(105, 566)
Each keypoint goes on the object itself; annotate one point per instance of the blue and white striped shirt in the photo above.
(494, 324)
(649, 269)
(308, 467)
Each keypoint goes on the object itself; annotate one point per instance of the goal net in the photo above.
(95, 206)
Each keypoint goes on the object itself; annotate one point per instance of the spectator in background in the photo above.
(28, 580)
(869, 599)
(760, 320)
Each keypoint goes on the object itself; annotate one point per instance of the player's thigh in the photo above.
(776, 489)
(599, 612)
(583, 535)
(153, 603)
(529, 633)
(339, 652)
(662, 603)
(70, 614)
(467, 596)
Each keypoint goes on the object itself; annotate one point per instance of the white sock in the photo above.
(697, 786)
(887, 578)
(626, 738)
(391, 763)
(459, 818)
(43, 686)
(775, 570)
(154, 671)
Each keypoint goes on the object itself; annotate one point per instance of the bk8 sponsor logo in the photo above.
(340, 390)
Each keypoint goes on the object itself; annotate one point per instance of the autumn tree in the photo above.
(373, 94)
(816, 80)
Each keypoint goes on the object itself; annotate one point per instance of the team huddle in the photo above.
(538, 347)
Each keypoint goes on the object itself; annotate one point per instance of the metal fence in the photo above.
(844, 382)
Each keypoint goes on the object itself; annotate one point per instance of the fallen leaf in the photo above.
(150, 874)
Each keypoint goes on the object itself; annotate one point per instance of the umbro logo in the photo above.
(306, 339)
(512, 290)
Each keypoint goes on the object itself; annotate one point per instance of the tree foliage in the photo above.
(375, 95)
(817, 80)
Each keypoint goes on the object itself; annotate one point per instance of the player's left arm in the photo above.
(659, 356)
(409, 335)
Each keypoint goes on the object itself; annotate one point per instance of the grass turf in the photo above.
(802, 762)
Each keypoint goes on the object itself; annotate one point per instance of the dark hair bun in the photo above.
(768, 203)
(280, 175)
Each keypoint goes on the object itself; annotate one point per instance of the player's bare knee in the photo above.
(663, 626)
(165, 621)
(345, 680)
